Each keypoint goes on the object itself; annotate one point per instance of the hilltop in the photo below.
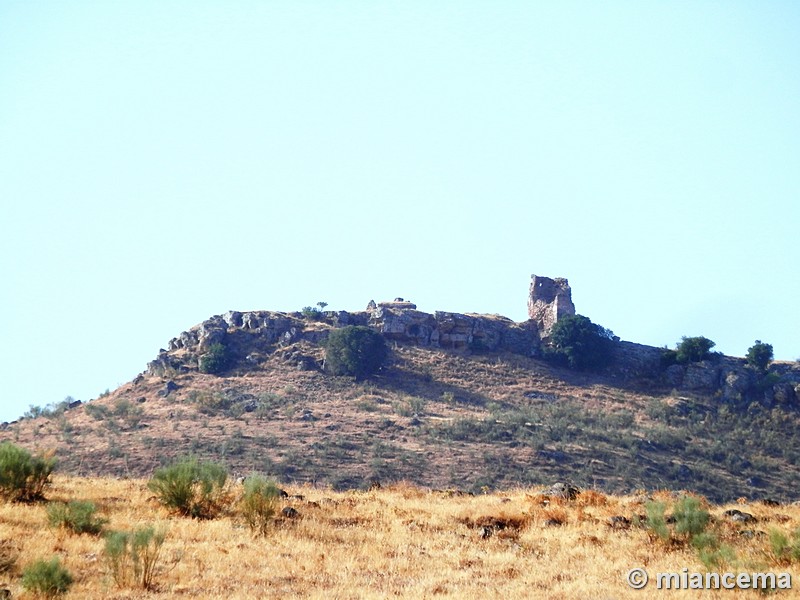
(465, 401)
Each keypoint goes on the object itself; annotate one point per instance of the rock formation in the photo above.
(548, 301)
(251, 337)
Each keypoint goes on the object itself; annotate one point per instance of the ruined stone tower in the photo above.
(548, 301)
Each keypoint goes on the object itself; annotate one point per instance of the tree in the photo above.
(215, 360)
(693, 349)
(759, 355)
(581, 344)
(355, 350)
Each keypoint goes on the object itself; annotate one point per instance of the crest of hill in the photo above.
(465, 400)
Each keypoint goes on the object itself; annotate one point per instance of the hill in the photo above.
(465, 401)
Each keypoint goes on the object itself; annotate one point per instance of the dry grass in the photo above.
(401, 541)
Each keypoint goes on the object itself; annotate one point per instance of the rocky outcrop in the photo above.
(735, 382)
(250, 337)
(548, 301)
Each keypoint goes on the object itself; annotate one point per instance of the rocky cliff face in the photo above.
(250, 337)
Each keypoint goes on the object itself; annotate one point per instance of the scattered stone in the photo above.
(770, 502)
(74, 404)
(141, 400)
(553, 523)
(562, 490)
(289, 512)
(485, 532)
(619, 522)
(169, 387)
(738, 516)
(751, 533)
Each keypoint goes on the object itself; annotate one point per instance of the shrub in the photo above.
(77, 516)
(132, 557)
(657, 521)
(783, 549)
(23, 477)
(693, 349)
(215, 360)
(759, 355)
(47, 578)
(191, 488)
(580, 344)
(311, 313)
(259, 503)
(355, 350)
(690, 518)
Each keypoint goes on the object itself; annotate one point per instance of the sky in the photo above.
(165, 161)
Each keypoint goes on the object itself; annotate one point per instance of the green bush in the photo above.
(759, 355)
(783, 549)
(657, 521)
(190, 487)
(355, 350)
(690, 518)
(215, 360)
(311, 313)
(23, 477)
(77, 516)
(133, 557)
(259, 503)
(47, 578)
(693, 349)
(580, 344)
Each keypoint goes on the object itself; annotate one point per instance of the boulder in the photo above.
(407, 325)
(211, 332)
(562, 490)
(736, 383)
(233, 318)
(703, 375)
(783, 393)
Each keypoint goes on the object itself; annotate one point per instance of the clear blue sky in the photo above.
(161, 162)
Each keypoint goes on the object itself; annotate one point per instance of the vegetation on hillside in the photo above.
(689, 350)
(355, 350)
(400, 541)
(23, 476)
(759, 355)
(580, 344)
(215, 360)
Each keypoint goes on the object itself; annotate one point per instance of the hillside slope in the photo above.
(438, 418)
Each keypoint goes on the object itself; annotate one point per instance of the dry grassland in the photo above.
(398, 542)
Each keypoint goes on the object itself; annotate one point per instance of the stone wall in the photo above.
(548, 301)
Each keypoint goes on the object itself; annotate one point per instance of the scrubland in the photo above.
(400, 541)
